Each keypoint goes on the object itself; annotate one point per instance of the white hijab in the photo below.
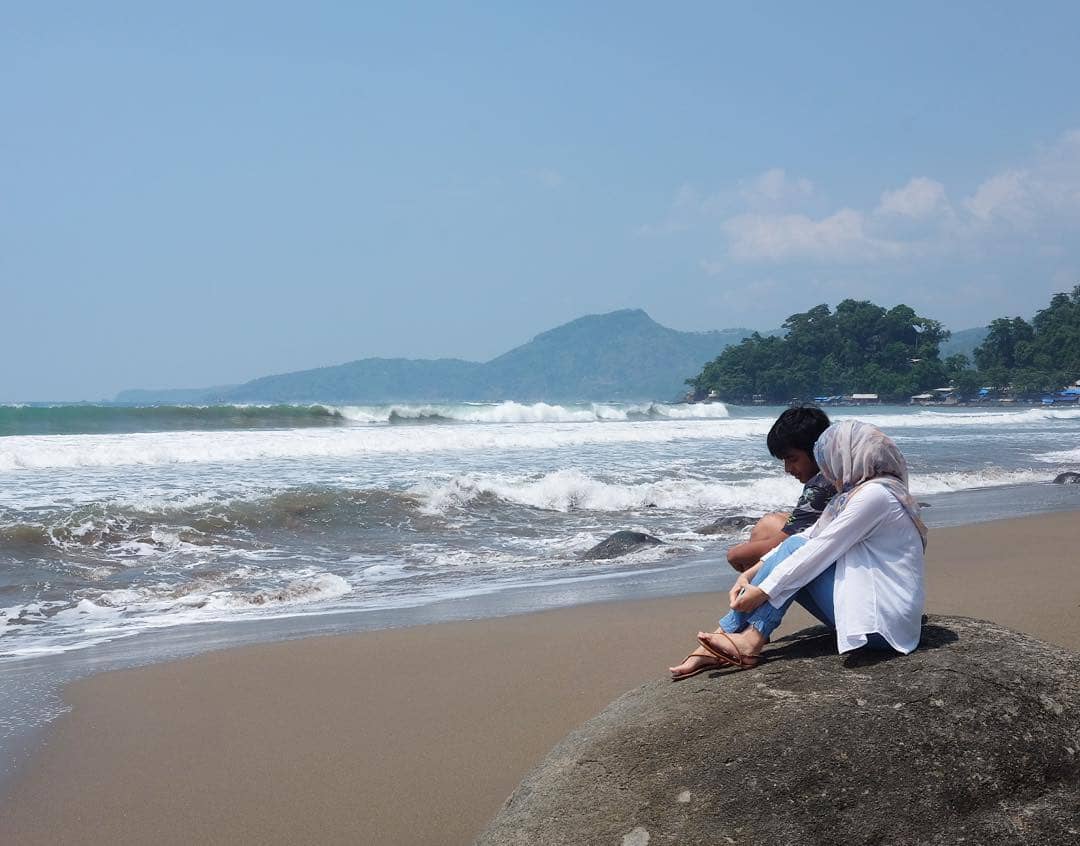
(851, 454)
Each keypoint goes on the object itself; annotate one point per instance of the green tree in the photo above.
(999, 350)
(967, 382)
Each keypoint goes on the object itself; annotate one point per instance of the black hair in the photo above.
(797, 428)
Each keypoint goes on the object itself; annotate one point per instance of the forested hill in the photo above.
(859, 348)
(864, 348)
(622, 355)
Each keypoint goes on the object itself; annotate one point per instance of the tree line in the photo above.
(895, 353)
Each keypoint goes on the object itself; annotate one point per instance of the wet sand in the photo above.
(416, 736)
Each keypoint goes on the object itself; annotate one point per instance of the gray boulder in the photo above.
(620, 543)
(973, 738)
(1067, 478)
(726, 525)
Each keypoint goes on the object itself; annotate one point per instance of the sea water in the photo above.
(116, 521)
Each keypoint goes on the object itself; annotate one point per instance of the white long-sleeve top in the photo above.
(879, 570)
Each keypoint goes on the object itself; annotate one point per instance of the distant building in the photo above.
(1069, 395)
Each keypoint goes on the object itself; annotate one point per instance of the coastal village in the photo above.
(1069, 395)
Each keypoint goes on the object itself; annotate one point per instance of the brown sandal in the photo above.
(718, 665)
(743, 662)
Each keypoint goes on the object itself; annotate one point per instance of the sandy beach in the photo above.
(416, 736)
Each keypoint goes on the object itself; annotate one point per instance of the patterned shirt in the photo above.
(815, 496)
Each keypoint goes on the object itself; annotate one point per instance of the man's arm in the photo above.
(767, 535)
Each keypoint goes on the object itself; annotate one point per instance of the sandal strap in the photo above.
(737, 659)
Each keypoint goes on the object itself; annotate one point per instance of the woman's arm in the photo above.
(864, 513)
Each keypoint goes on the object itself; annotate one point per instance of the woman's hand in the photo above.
(741, 584)
(750, 598)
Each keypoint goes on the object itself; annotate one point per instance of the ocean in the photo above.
(130, 534)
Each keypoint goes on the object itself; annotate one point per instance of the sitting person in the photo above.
(791, 439)
(859, 569)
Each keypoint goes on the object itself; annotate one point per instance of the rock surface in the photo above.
(974, 738)
(723, 525)
(620, 543)
(1067, 478)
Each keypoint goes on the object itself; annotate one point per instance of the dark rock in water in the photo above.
(724, 525)
(974, 738)
(1067, 478)
(620, 543)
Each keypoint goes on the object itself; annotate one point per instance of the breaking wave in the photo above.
(163, 448)
(86, 419)
(571, 490)
(120, 529)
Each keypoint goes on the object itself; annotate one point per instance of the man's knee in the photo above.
(768, 525)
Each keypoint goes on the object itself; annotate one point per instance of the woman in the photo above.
(859, 569)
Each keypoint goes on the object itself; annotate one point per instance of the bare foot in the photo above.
(696, 661)
(749, 642)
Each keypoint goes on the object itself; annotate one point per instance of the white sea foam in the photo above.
(955, 419)
(163, 448)
(1064, 456)
(989, 477)
(385, 573)
(316, 588)
(539, 412)
(571, 490)
(126, 611)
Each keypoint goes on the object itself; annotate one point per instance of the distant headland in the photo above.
(618, 356)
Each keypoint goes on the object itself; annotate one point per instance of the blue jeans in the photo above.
(816, 597)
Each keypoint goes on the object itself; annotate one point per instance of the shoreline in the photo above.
(417, 735)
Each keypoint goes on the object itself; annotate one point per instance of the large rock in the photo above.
(1067, 478)
(974, 738)
(620, 543)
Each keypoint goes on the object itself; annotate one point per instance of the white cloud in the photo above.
(1005, 195)
(920, 198)
(775, 188)
(840, 237)
(1046, 189)
(1033, 207)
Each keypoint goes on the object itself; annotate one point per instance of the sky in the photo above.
(199, 194)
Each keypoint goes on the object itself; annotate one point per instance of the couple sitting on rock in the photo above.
(851, 552)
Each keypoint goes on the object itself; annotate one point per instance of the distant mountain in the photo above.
(964, 342)
(622, 355)
(369, 380)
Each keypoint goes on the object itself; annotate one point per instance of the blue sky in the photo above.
(207, 193)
